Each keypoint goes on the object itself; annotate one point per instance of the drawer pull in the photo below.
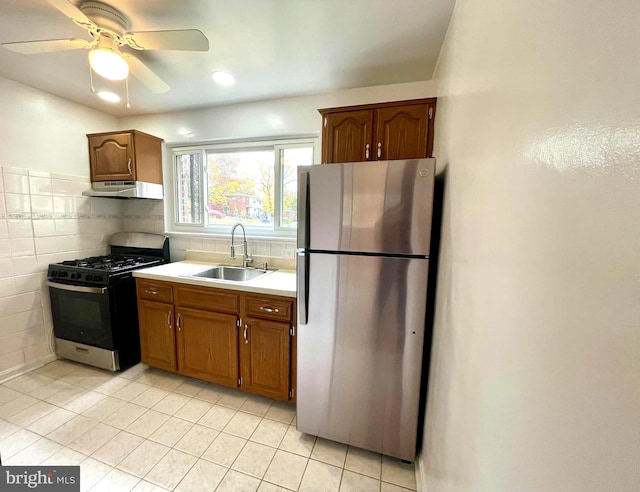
(153, 292)
(269, 310)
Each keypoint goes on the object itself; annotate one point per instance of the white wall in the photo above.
(288, 116)
(277, 117)
(535, 375)
(44, 132)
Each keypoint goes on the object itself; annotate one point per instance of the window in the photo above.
(253, 183)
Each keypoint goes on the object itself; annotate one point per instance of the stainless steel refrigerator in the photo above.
(363, 260)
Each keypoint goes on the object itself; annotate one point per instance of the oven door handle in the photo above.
(77, 288)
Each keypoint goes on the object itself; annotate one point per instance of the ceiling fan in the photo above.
(109, 30)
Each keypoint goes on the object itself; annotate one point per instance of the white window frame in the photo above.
(202, 229)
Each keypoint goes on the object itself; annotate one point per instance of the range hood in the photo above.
(125, 189)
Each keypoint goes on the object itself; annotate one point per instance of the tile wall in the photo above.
(43, 219)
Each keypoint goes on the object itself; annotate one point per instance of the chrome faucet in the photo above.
(246, 259)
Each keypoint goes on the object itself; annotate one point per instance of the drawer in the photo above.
(154, 291)
(207, 299)
(268, 307)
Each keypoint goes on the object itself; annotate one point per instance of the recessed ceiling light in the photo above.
(108, 96)
(223, 78)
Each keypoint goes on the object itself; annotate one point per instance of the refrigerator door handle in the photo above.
(303, 287)
(303, 209)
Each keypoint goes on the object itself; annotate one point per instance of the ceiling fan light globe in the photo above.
(223, 78)
(108, 64)
(108, 96)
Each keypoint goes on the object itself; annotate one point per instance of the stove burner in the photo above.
(110, 263)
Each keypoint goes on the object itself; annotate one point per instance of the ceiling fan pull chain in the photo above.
(126, 83)
(91, 80)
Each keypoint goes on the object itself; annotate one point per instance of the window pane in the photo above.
(240, 187)
(189, 199)
(291, 159)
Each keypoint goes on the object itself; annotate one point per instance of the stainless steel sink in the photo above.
(233, 274)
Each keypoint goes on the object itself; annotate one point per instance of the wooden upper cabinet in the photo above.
(401, 131)
(394, 130)
(348, 136)
(125, 156)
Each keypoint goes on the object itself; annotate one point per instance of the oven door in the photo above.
(81, 314)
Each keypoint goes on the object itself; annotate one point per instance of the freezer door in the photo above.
(372, 207)
(360, 351)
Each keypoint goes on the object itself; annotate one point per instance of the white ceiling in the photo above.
(275, 48)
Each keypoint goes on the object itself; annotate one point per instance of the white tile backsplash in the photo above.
(63, 187)
(22, 247)
(63, 205)
(29, 283)
(7, 287)
(19, 228)
(6, 268)
(17, 204)
(24, 265)
(5, 248)
(15, 170)
(39, 185)
(16, 183)
(44, 228)
(195, 244)
(44, 219)
(42, 204)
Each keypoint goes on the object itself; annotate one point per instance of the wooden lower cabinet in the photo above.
(157, 338)
(207, 345)
(236, 339)
(265, 356)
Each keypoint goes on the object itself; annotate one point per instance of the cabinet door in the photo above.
(157, 339)
(208, 345)
(112, 157)
(401, 132)
(347, 137)
(265, 352)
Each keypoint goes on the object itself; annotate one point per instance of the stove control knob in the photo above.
(89, 278)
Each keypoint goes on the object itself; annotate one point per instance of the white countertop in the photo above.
(278, 283)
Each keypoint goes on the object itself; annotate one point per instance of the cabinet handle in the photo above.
(244, 334)
(269, 310)
(129, 165)
(153, 292)
(379, 150)
(178, 322)
(366, 151)
(169, 320)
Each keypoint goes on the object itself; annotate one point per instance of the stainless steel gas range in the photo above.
(93, 301)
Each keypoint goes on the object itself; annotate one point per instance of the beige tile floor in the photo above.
(147, 430)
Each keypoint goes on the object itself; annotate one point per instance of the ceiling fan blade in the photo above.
(47, 46)
(74, 13)
(144, 74)
(184, 40)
